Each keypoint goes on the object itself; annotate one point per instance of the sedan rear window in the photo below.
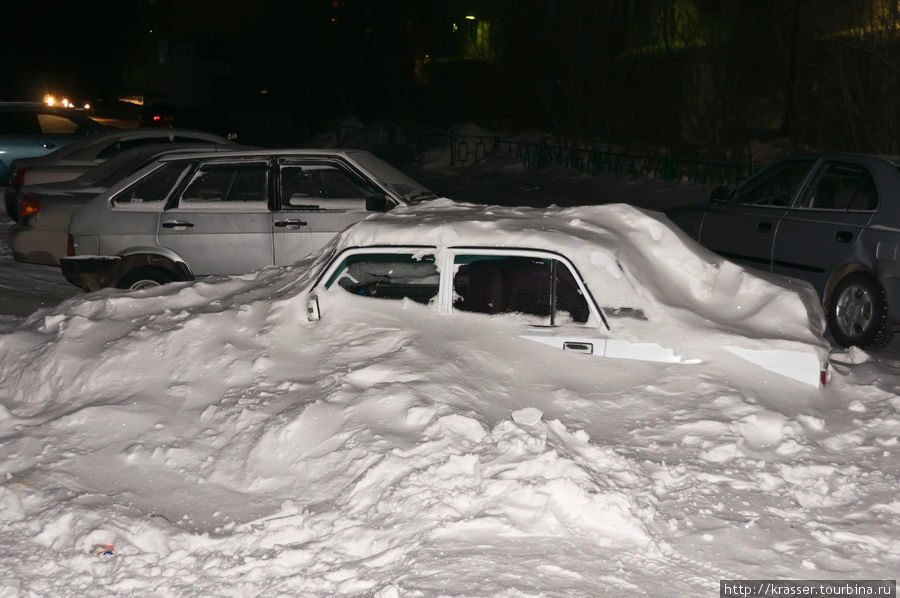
(153, 188)
(843, 187)
(542, 288)
(53, 124)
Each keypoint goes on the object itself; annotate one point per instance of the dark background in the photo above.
(704, 78)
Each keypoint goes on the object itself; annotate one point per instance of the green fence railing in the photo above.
(465, 150)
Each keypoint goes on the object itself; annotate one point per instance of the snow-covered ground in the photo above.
(204, 439)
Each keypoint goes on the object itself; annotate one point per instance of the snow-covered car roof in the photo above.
(624, 254)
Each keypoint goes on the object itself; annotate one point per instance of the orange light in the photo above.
(28, 205)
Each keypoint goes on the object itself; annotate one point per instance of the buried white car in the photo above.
(609, 281)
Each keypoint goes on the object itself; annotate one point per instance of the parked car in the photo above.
(604, 281)
(72, 160)
(830, 219)
(209, 118)
(226, 213)
(41, 234)
(32, 129)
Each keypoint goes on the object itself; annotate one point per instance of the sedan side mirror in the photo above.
(720, 194)
(378, 203)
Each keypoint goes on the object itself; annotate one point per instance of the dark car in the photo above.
(830, 219)
(32, 129)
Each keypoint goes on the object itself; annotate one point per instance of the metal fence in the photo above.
(465, 150)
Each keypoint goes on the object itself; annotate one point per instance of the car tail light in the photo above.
(18, 177)
(823, 375)
(156, 118)
(70, 246)
(28, 205)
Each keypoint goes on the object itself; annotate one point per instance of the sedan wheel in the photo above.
(144, 278)
(857, 313)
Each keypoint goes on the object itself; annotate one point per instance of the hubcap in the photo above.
(143, 284)
(854, 310)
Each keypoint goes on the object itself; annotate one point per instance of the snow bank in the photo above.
(222, 445)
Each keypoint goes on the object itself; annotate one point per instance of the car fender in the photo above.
(94, 272)
(154, 256)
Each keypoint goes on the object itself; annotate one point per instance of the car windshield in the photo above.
(410, 190)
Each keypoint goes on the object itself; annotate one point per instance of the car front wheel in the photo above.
(144, 278)
(857, 312)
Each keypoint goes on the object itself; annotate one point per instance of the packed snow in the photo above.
(206, 439)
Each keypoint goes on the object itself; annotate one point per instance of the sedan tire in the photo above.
(857, 312)
(144, 278)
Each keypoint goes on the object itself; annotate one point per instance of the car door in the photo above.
(744, 228)
(220, 223)
(823, 229)
(539, 288)
(316, 198)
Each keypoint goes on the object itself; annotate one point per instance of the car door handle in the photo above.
(290, 223)
(578, 347)
(763, 227)
(177, 224)
(843, 236)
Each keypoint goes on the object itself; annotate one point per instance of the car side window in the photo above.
(227, 185)
(153, 188)
(16, 122)
(543, 289)
(843, 187)
(54, 124)
(775, 187)
(316, 186)
(388, 276)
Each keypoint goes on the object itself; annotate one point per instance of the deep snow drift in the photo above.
(205, 439)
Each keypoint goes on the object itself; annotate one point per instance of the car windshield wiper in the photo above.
(421, 196)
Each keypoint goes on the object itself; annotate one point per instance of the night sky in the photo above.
(705, 78)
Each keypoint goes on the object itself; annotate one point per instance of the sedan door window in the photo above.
(19, 123)
(321, 186)
(776, 187)
(541, 288)
(317, 198)
(389, 276)
(228, 186)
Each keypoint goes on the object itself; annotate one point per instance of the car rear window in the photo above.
(843, 187)
(54, 124)
(153, 188)
(541, 288)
